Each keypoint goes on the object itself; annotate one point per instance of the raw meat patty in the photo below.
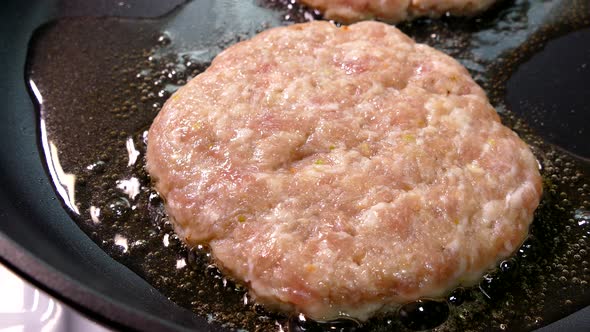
(394, 11)
(342, 170)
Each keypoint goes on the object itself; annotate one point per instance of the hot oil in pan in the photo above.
(101, 81)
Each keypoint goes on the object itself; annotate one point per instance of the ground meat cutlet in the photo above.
(394, 11)
(342, 170)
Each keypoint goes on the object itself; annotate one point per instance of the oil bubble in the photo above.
(457, 296)
(199, 256)
(117, 209)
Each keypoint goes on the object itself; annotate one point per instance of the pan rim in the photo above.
(91, 304)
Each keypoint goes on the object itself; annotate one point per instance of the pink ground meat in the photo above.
(342, 170)
(395, 11)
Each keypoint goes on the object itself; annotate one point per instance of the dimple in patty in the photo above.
(342, 170)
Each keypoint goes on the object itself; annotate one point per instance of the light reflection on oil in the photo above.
(180, 263)
(130, 187)
(95, 214)
(131, 151)
(121, 241)
(65, 183)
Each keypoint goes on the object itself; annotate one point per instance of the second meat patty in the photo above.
(395, 11)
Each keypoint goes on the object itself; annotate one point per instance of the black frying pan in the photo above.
(39, 240)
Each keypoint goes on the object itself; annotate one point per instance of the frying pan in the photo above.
(38, 239)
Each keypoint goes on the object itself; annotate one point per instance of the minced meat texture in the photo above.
(394, 11)
(342, 170)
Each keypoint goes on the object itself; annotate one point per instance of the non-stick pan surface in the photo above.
(38, 239)
(37, 236)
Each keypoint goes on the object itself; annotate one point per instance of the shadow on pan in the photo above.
(38, 238)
